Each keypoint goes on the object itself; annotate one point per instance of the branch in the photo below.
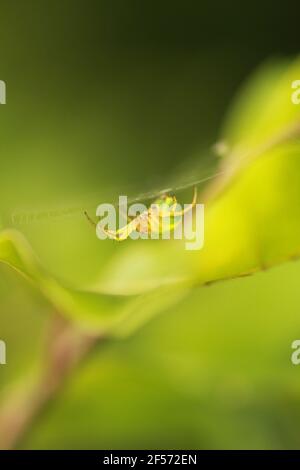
(66, 348)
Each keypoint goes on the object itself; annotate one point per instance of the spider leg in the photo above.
(153, 223)
(173, 213)
(161, 213)
(89, 219)
(187, 209)
(124, 232)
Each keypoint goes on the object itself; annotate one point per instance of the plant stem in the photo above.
(64, 351)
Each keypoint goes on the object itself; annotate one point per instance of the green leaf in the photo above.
(252, 220)
(263, 109)
(114, 314)
(253, 213)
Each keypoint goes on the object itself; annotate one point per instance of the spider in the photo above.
(152, 219)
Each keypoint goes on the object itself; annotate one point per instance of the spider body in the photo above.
(160, 217)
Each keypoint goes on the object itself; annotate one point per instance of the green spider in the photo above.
(152, 219)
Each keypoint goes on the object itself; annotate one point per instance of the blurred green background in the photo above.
(113, 97)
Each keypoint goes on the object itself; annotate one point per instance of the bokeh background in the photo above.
(111, 97)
